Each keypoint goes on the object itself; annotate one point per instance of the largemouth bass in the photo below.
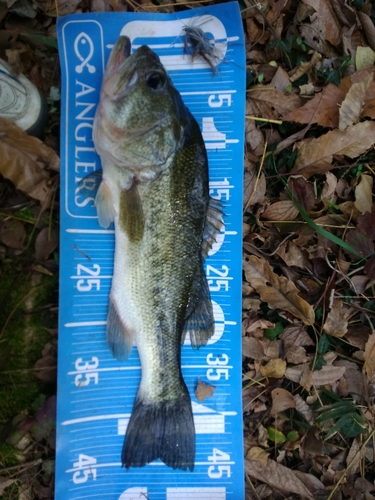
(155, 189)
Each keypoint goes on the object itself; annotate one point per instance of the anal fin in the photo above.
(119, 338)
(199, 322)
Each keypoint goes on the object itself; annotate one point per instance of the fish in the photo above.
(155, 189)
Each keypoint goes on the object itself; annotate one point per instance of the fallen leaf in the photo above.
(328, 375)
(271, 103)
(356, 454)
(45, 369)
(275, 368)
(295, 336)
(12, 233)
(24, 159)
(368, 28)
(204, 390)
(326, 14)
(352, 105)
(361, 242)
(303, 191)
(316, 156)
(257, 454)
(364, 58)
(281, 400)
(277, 291)
(329, 187)
(252, 348)
(323, 109)
(280, 211)
(304, 409)
(369, 365)
(4, 483)
(336, 324)
(313, 444)
(296, 355)
(366, 222)
(292, 255)
(254, 187)
(46, 242)
(363, 193)
(281, 81)
(277, 476)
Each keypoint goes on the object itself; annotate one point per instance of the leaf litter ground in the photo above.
(309, 260)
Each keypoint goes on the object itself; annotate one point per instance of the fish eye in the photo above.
(155, 81)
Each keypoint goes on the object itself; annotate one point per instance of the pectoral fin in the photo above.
(104, 205)
(214, 224)
(199, 321)
(131, 218)
(119, 337)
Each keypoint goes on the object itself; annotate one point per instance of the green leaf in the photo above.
(323, 344)
(292, 436)
(45, 40)
(275, 436)
(319, 363)
(272, 333)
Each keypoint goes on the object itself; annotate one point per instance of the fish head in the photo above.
(141, 118)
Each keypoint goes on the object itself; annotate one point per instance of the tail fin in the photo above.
(164, 430)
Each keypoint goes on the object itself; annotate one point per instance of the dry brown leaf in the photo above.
(252, 348)
(354, 379)
(336, 324)
(257, 454)
(277, 476)
(296, 355)
(281, 400)
(281, 210)
(356, 456)
(271, 103)
(12, 234)
(280, 80)
(323, 109)
(45, 369)
(46, 242)
(292, 255)
(351, 107)
(328, 375)
(313, 444)
(329, 187)
(23, 160)
(204, 390)
(316, 156)
(326, 14)
(304, 409)
(369, 366)
(254, 187)
(363, 194)
(277, 291)
(275, 368)
(368, 28)
(305, 67)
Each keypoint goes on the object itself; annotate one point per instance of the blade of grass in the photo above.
(320, 230)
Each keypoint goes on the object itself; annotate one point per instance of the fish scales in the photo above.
(155, 189)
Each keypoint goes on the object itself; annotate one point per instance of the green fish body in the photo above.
(155, 190)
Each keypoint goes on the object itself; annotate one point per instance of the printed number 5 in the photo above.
(217, 474)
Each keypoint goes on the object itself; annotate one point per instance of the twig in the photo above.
(258, 176)
(26, 465)
(349, 465)
(266, 120)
